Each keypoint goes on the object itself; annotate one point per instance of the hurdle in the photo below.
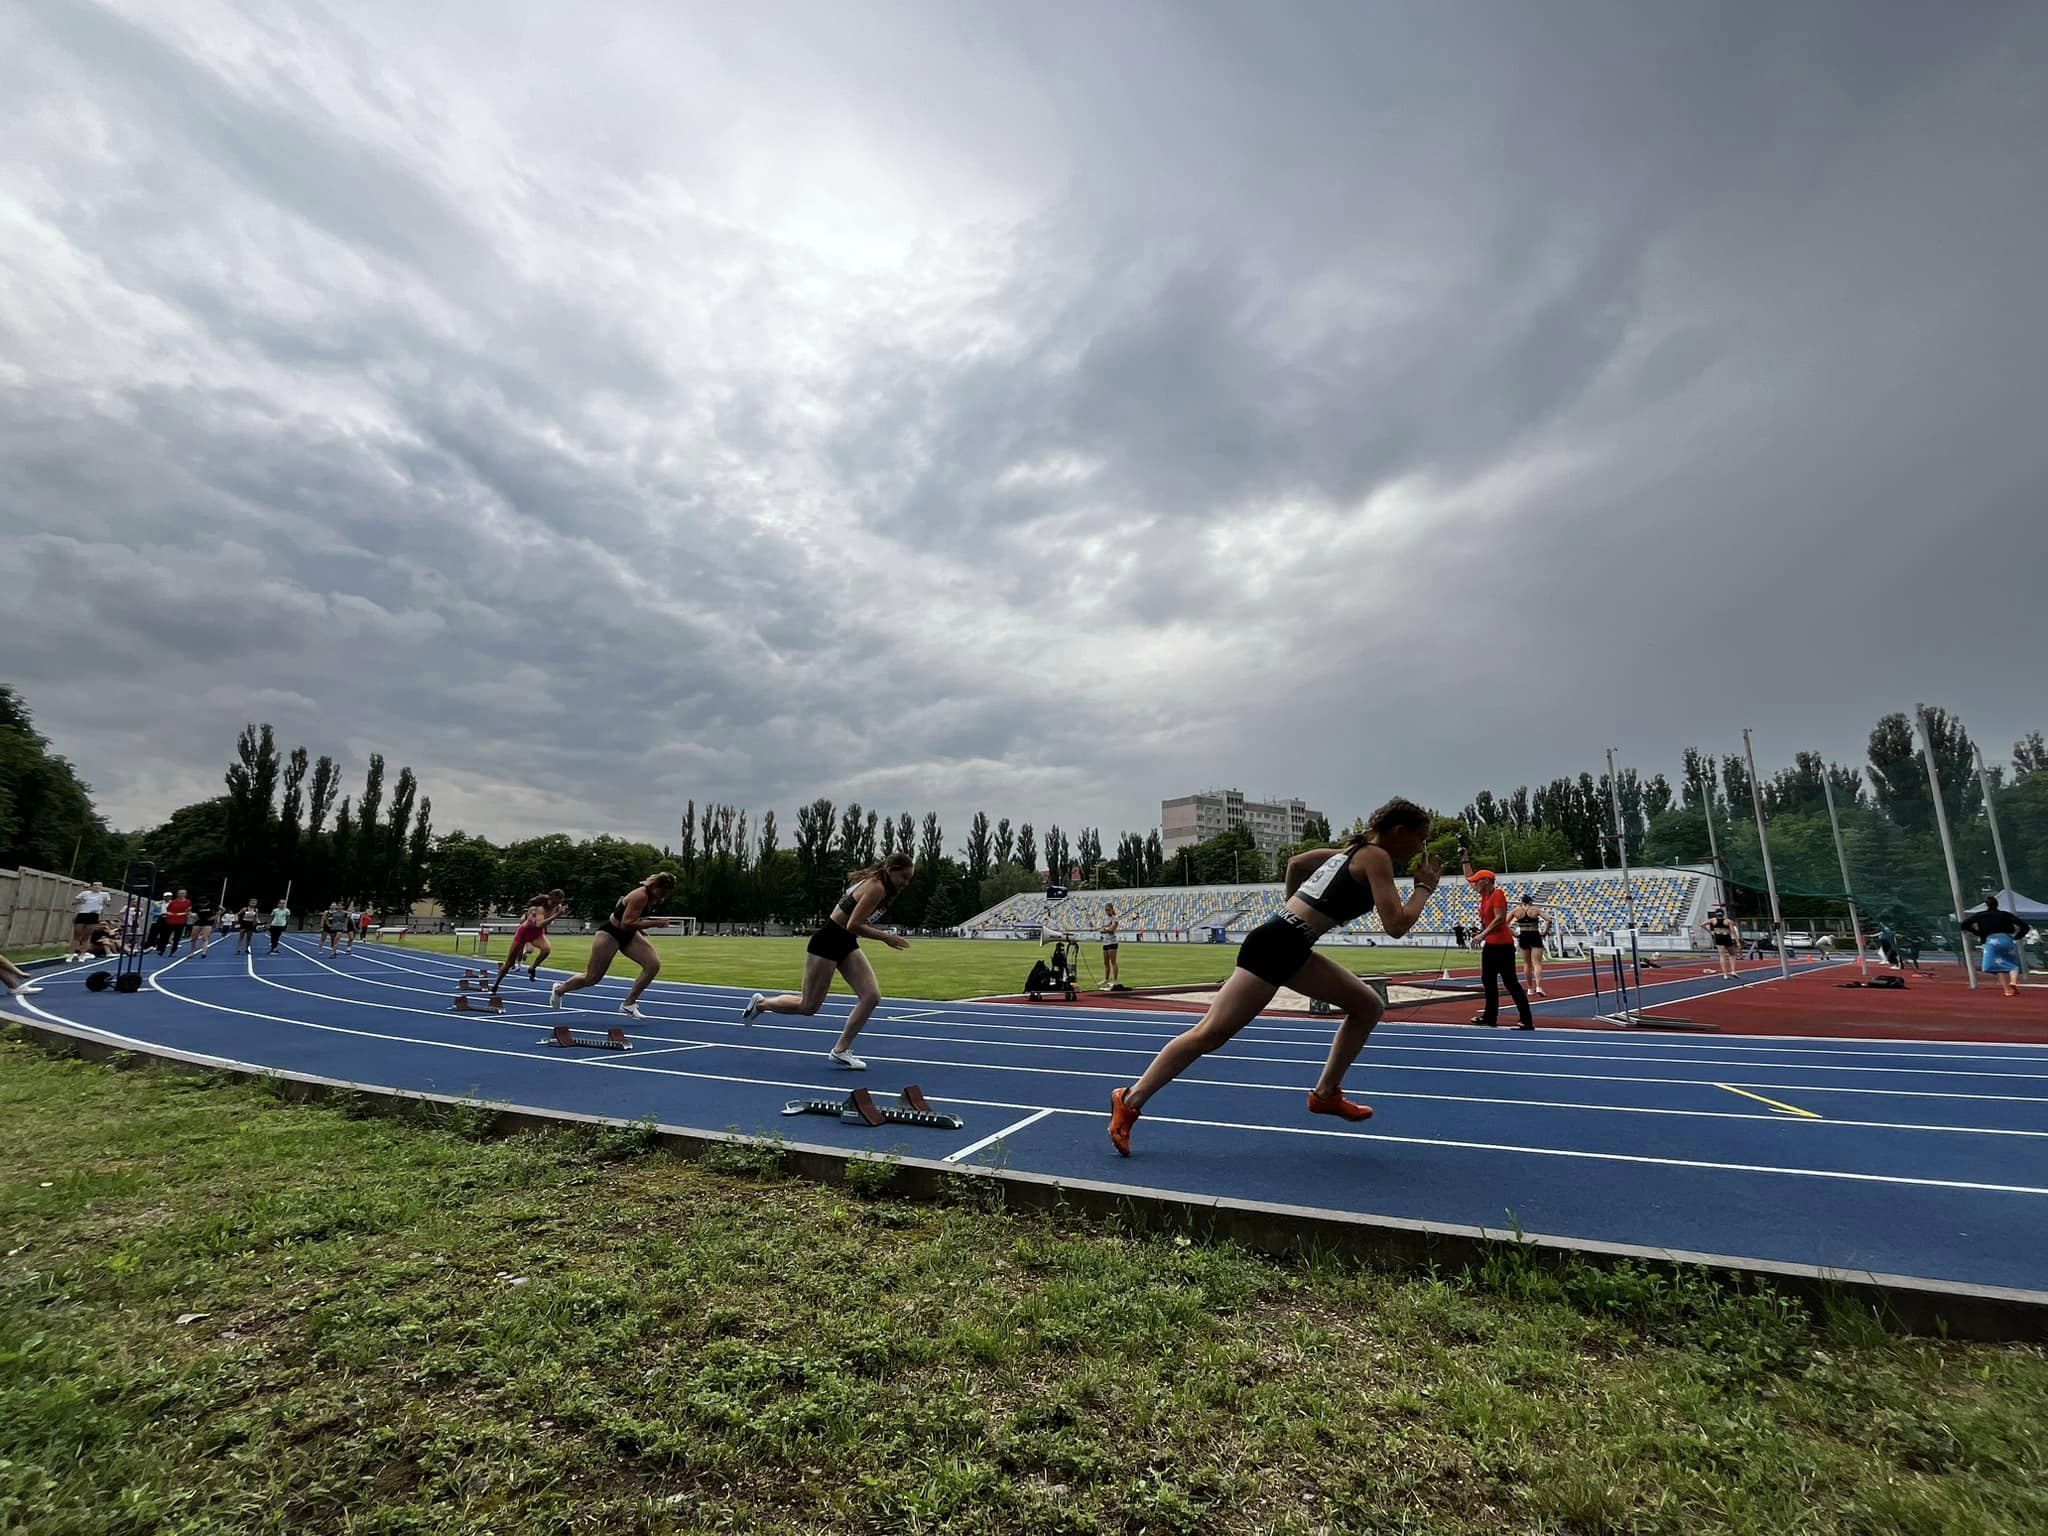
(1630, 1014)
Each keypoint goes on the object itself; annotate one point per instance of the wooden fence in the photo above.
(36, 907)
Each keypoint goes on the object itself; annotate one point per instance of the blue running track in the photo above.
(1896, 1157)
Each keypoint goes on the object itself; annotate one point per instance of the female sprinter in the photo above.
(621, 934)
(1111, 978)
(533, 930)
(1326, 888)
(1532, 927)
(836, 947)
(1725, 937)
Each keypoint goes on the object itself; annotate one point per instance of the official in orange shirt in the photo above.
(1496, 943)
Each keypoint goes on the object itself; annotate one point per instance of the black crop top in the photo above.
(619, 906)
(852, 899)
(1332, 890)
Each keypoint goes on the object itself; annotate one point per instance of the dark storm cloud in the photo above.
(1024, 409)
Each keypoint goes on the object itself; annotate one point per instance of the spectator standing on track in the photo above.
(1496, 941)
(331, 924)
(280, 919)
(1725, 937)
(177, 918)
(2000, 933)
(1532, 927)
(86, 908)
(203, 914)
(247, 921)
(1110, 977)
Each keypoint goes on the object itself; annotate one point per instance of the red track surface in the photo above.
(1936, 1004)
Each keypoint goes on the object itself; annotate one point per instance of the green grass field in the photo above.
(221, 1313)
(938, 969)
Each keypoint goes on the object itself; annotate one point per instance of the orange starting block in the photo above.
(494, 1003)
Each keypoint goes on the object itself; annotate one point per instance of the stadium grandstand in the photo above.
(1584, 905)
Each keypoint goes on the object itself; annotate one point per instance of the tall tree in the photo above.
(418, 853)
(46, 810)
(976, 854)
(1155, 858)
(2029, 755)
(849, 833)
(1898, 773)
(686, 847)
(341, 849)
(814, 852)
(905, 833)
(367, 872)
(1005, 843)
(931, 846)
(867, 840)
(463, 873)
(1027, 847)
(326, 780)
(252, 787)
(888, 837)
(767, 847)
(392, 865)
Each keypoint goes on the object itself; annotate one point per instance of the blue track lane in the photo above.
(1912, 1158)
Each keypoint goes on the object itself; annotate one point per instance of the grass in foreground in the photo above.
(221, 1313)
(939, 970)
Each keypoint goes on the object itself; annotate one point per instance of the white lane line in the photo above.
(1056, 1071)
(1519, 1151)
(988, 1141)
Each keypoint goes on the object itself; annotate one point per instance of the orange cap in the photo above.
(1481, 874)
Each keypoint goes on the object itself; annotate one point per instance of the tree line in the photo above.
(279, 821)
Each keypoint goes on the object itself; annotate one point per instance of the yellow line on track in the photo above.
(1790, 1109)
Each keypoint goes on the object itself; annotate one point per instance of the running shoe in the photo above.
(632, 1011)
(24, 989)
(848, 1060)
(753, 1009)
(555, 995)
(1337, 1104)
(1121, 1118)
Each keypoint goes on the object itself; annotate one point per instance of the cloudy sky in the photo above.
(1041, 408)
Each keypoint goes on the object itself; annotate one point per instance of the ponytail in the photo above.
(895, 864)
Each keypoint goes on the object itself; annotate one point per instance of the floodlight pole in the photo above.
(1991, 815)
(1714, 845)
(1628, 885)
(1842, 858)
(1948, 848)
(1763, 842)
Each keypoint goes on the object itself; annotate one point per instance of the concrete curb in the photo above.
(1903, 1303)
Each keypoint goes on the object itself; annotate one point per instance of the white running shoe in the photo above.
(753, 1010)
(848, 1060)
(555, 995)
(24, 989)
(632, 1011)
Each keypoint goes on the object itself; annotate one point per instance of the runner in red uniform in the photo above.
(533, 930)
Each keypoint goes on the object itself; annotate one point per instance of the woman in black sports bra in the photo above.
(835, 947)
(1532, 927)
(1326, 889)
(623, 934)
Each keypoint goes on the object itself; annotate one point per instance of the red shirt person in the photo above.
(177, 916)
(1496, 943)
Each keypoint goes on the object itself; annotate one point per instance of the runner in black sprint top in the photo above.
(835, 947)
(1326, 888)
(623, 933)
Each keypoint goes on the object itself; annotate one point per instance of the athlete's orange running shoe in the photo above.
(1335, 1104)
(1121, 1118)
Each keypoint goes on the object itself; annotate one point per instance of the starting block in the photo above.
(859, 1108)
(472, 981)
(493, 1003)
(612, 1040)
